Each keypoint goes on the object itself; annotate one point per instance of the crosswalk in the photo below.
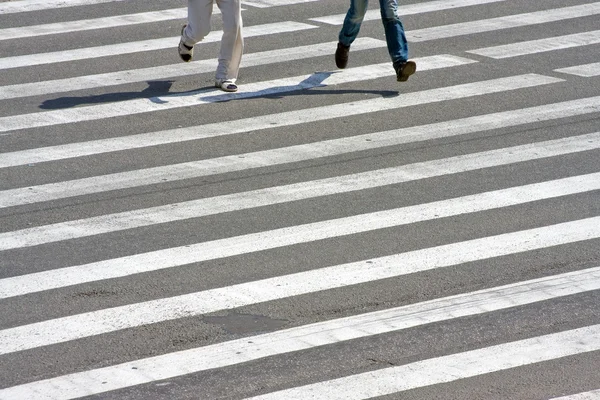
(320, 234)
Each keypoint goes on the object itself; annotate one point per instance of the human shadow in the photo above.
(303, 88)
(152, 93)
(158, 92)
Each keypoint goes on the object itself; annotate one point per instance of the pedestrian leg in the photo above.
(349, 31)
(396, 40)
(232, 44)
(198, 26)
(352, 22)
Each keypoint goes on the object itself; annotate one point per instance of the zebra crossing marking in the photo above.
(64, 329)
(181, 13)
(141, 46)
(53, 191)
(262, 197)
(94, 23)
(506, 22)
(319, 334)
(448, 368)
(278, 238)
(104, 183)
(37, 5)
(587, 70)
(539, 45)
(176, 70)
(575, 346)
(288, 118)
(408, 9)
(591, 395)
(274, 3)
(438, 32)
(204, 96)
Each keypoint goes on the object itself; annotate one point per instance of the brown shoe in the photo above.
(341, 55)
(404, 70)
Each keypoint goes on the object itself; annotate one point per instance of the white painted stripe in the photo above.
(289, 118)
(140, 46)
(593, 395)
(78, 326)
(103, 183)
(274, 3)
(509, 21)
(439, 32)
(259, 198)
(268, 240)
(173, 70)
(95, 23)
(305, 337)
(587, 70)
(91, 185)
(448, 368)
(540, 45)
(36, 5)
(252, 124)
(408, 9)
(200, 97)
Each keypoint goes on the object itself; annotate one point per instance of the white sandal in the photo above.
(226, 85)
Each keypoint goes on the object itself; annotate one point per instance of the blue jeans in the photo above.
(394, 31)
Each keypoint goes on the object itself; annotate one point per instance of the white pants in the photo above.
(232, 43)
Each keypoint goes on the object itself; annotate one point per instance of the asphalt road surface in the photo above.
(322, 233)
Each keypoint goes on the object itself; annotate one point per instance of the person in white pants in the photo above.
(232, 42)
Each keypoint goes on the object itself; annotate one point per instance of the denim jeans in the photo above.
(394, 31)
